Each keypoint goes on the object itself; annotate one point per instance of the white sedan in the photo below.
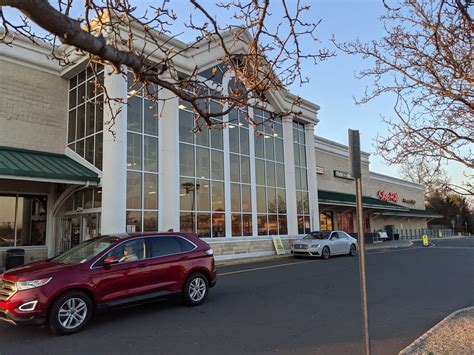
(324, 244)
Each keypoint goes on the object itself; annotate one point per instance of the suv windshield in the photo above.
(85, 250)
(317, 235)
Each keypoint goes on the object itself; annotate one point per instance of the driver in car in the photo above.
(128, 255)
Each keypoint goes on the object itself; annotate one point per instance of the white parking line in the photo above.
(264, 267)
(454, 248)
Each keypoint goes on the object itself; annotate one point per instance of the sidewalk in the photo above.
(453, 335)
(392, 244)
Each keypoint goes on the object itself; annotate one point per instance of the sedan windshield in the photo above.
(317, 235)
(85, 251)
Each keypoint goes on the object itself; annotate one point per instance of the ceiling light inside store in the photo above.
(266, 136)
(275, 134)
(231, 126)
(152, 192)
(132, 93)
(181, 106)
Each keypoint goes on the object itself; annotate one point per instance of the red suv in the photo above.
(106, 272)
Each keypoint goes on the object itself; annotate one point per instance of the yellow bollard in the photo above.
(426, 242)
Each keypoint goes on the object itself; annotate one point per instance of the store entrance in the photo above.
(78, 228)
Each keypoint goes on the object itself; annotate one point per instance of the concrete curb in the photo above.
(231, 262)
(413, 346)
(381, 246)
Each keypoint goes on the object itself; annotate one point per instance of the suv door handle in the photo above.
(186, 257)
(141, 266)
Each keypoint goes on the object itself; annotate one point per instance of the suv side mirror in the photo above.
(110, 260)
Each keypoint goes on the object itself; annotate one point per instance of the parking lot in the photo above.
(289, 306)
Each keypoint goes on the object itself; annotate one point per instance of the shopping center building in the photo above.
(66, 176)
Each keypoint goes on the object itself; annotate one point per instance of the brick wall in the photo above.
(33, 108)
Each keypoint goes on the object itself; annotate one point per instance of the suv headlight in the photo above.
(26, 285)
(316, 246)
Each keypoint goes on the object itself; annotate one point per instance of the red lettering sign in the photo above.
(387, 197)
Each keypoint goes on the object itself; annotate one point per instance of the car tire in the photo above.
(326, 253)
(70, 312)
(195, 289)
(352, 250)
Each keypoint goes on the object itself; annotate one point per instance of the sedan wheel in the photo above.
(353, 249)
(196, 289)
(326, 253)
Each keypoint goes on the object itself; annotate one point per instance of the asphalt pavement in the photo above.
(289, 306)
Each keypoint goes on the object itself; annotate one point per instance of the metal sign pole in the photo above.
(354, 152)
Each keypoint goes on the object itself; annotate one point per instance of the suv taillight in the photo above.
(209, 252)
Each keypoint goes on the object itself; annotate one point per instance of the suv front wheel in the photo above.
(195, 289)
(70, 312)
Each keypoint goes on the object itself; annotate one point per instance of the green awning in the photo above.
(343, 199)
(22, 164)
(383, 208)
(413, 212)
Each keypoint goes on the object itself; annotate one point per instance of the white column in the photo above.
(290, 181)
(114, 170)
(312, 177)
(169, 162)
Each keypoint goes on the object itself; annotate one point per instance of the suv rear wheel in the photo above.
(70, 312)
(195, 289)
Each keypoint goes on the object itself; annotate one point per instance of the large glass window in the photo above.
(301, 178)
(86, 114)
(270, 175)
(201, 162)
(22, 220)
(142, 159)
(326, 221)
(240, 192)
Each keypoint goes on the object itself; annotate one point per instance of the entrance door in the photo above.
(78, 228)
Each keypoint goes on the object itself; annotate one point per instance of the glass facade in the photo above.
(22, 220)
(270, 175)
(142, 160)
(201, 166)
(86, 114)
(301, 178)
(240, 188)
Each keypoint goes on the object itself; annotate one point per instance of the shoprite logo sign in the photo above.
(387, 197)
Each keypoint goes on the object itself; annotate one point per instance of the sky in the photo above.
(332, 83)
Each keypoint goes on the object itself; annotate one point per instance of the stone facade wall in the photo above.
(33, 108)
(241, 247)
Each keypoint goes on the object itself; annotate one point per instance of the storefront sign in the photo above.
(342, 175)
(411, 202)
(319, 170)
(279, 248)
(387, 197)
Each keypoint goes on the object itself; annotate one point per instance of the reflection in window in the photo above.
(86, 114)
(326, 221)
(241, 201)
(142, 158)
(270, 175)
(23, 220)
(201, 163)
(301, 178)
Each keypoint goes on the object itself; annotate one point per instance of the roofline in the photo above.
(396, 181)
